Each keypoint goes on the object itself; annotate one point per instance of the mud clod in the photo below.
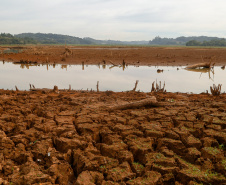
(44, 139)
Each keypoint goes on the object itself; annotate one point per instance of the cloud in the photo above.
(114, 19)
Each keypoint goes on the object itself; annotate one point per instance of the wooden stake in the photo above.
(55, 88)
(97, 86)
(134, 89)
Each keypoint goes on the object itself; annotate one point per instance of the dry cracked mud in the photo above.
(72, 138)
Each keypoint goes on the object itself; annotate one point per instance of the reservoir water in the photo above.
(176, 79)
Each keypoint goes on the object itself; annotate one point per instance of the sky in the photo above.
(126, 20)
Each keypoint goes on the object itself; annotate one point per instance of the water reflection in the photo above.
(7, 51)
(110, 77)
(210, 72)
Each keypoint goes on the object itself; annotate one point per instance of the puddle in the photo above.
(176, 79)
(12, 51)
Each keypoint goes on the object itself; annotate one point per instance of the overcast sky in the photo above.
(115, 19)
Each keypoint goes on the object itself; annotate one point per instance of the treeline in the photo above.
(7, 39)
(183, 40)
(49, 38)
(219, 43)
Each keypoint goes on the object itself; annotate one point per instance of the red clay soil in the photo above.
(160, 56)
(72, 138)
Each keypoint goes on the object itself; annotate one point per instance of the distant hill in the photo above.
(116, 42)
(7, 38)
(49, 38)
(180, 40)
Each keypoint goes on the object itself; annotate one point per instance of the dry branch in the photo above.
(134, 89)
(137, 104)
(200, 65)
(216, 90)
(113, 63)
(40, 89)
(158, 88)
(97, 86)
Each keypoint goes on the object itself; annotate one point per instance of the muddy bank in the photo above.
(73, 138)
(160, 56)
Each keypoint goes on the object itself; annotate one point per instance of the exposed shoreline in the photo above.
(152, 56)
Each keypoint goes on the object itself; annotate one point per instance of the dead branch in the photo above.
(200, 65)
(55, 88)
(113, 63)
(158, 88)
(216, 90)
(134, 89)
(40, 89)
(137, 104)
(16, 88)
(97, 86)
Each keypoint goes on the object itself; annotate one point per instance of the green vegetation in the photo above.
(189, 41)
(6, 39)
(224, 163)
(215, 42)
(213, 150)
(50, 38)
(221, 146)
(138, 166)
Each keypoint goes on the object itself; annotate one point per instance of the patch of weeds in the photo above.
(158, 165)
(138, 166)
(211, 174)
(224, 163)
(159, 155)
(35, 141)
(213, 150)
(171, 100)
(222, 147)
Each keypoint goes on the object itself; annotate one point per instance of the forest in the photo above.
(189, 41)
(7, 39)
(50, 38)
(214, 42)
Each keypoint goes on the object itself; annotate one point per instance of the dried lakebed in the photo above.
(73, 138)
(115, 78)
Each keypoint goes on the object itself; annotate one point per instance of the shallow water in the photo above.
(80, 77)
(12, 51)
